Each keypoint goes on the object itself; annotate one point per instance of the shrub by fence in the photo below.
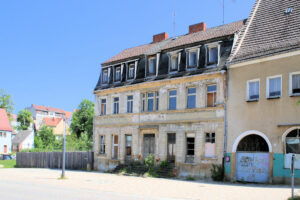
(74, 160)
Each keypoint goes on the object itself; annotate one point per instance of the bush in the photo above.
(149, 161)
(295, 198)
(217, 172)
(190, 178)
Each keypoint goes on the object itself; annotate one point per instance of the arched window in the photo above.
(252, 143)
(292, 142)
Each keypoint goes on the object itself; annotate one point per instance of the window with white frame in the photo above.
(116, 105)
(118, 74)
(274, 87)
(102, 144)
(213, 55)
(102, 106)
(152, 66)
(253, 90)
(131, 69)
(295, 83)
(174, 63)
(210, 145)
(150, 101)
(105, 76)
(191, 97)
(193, 58)
(172, 99)
(129, 104)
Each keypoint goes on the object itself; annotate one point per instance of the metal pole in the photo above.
(293, 174)
(64, 150)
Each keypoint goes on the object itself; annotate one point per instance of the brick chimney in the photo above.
(160, 37)
(197, 27)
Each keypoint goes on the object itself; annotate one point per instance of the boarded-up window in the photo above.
(115, 147)
(211, 95)
(171, 147)
(149, 144)
(210, 145)
(102, 144)
(103, 107)
(190, 147)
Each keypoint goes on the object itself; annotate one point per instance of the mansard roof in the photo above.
(272, 28)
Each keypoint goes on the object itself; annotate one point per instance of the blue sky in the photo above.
(51, 50)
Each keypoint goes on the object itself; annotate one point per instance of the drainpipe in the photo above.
(225, 120)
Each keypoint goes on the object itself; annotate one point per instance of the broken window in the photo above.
(103, 107)
(210, 145)
(152, 66)
(191, 98)
(118, 74)
(131, 71)
(105, 76)
(293, 142)
(274, 87)
(211, 95)
(116, 105)
(252, 143)
(115, 146)
(295, 84)
(171, 147)
(129, 104)
(128, 143)
(253, 90)
(102, 144)
(190, 147)
(172, 99)
(212, 55)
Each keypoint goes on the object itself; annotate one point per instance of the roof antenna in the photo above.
(174, 19)
(223, 11)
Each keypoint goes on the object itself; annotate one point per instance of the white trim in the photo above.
(250, 132)
(247, 92)
(291, 83)
(268, 87)
(270, 58)
(157, 63)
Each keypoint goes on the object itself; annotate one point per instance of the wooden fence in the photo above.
(74, 160)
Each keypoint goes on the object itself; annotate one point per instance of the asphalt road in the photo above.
(43, 184)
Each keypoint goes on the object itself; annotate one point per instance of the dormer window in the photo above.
(174, 63)
(212, 56)
(118, 74)
(192, 57)
(105, 76)
(131, 71)
(152, 66)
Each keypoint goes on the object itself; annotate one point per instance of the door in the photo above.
(252, 167)
(128, 144)
(149, 144)
(5, 148)
(171, 147)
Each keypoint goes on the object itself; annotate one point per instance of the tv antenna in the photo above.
(223, 4)
(174, 19)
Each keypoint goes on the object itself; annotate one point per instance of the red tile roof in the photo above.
(216, 32)
(4, 122)
(68, 114)
(47, 108)
(52, 121)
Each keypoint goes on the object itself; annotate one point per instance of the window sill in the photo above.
(252, 100)
(275, 97)
(211, 65)
(295, 95)
(210, 158)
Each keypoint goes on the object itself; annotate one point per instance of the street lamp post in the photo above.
(64, 150)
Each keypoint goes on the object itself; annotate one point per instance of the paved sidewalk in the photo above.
(43, 184)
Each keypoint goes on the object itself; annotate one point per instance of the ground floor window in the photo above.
(190, 147)
(293, 142)
(171, 147)
(128, 144)
(102, 144)
(115, 146)
(253, 142)
(210, 145)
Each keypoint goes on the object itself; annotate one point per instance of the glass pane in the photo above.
(211, 88)
(151, 94)
(191, 101)
(172, 92)
(192, 59)
(129, 97)
(150, 104)
(275, 87)
(152, 65)
(213, 55)
(296, 83)
(254, 90)
(174, 62)
(172, 103)
(191, 90)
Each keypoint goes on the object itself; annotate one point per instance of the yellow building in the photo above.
(57, 124)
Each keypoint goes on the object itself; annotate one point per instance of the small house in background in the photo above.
(5, 132)
(23, 140)
(14, 125)
(57, 124)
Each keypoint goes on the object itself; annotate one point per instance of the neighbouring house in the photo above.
(23, 140)
(263, 119)
(40, 112)
(14, 124)
(166, 99)
(5, 132)
(57, 124)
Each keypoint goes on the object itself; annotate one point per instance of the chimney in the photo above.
(160, 37)
(197, 27)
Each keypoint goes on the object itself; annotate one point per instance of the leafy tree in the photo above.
(25, 119)
(5, 101)
(82, 119)
(46, 137)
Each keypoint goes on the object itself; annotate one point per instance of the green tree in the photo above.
(82, 119)
(45, 138)
(25, 119)
(5, 101)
